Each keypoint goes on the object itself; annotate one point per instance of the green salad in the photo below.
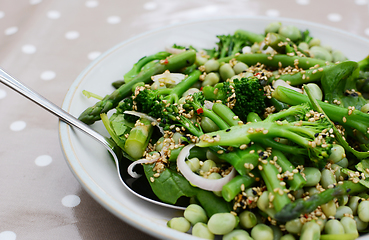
(266, 135)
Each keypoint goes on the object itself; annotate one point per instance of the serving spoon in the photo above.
(138, 186)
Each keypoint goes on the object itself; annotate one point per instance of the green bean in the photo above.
(237, 234)
(208, 125)
(342, 211)
(329, 208)
(226, 114)
(251, 36)
(233, 187)
(334, 226)
(273, 27)
(210, 79)
(310, 231)
(294, 226)
(194, 213)
(222, 223)
(201, 230)
(363, 211)
(138, 138)
(327, 179)
(226, 71)
(193, 164)
(276, 60)
(354, 203)
(179, 224)
(290, 31)
(262, 231)
(287, 237)
(321, 53)
(360, 225)
(349, 225)
(247, 219)
(312, 176)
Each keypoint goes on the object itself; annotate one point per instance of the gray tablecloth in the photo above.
(46, 44)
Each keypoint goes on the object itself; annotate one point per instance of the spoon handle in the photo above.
(19, 87)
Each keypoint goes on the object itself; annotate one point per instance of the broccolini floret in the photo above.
(243, 96)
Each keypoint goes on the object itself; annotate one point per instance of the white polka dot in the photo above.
(150, 5)
(2, 93)
(303, 2)
(53, 14)
(92, 4)
(71, 201)
(272, 13)
(28, 49)
(34, 2)
(93, 55)
(334, 17)
(72, 35)
(11, 30)
(2, 14)
(43, 160)
(7, 235)
(18, 126)
(361, 2)
(113, 19)
(47, 75)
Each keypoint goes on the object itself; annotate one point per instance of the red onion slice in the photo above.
(198, 181)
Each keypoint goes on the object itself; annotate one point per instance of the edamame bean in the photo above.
(262, 232)
(315, 91)
(215, 176)
(337, 153)
(208, 125)
(207, 165)
(248, 219)
(288, 237)
(195, 213)
(159, 144)
(263, 204)
(327, 179)
(211, 66)
(360, 225)
(201, 230)
(240, 67)
(176, 137)
(312, 176)
(314, 42)
(277, 233)
(237, 234)
(294, 226)
(354, 203)
(179, 223)
(320, 53)
(365, 108)
(334, 226)
(226, 71)
(273, 27)
(321, 222)
(313, 191)
(222, 223)
(210, 79)
(329, 209)
(341, 211)
(200, 60)
(349, 225)
(342, 200)
(337, 172)
(363, 211)
(303, 46)
(193, 164)
(190, 92)
(291, 32)
(255, 48)
(157, 85)
(310, 231)
(343, 163)
(338, 56)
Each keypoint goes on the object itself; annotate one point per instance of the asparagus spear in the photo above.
(173, 63)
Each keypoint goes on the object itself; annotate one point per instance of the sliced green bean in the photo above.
(234, 187)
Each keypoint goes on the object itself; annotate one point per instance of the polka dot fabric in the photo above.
(46, 44)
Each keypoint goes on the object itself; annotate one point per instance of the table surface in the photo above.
(46, 44)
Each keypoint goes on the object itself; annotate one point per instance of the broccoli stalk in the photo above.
(243, 96)
(302, 132)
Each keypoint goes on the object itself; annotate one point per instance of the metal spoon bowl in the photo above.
(138, 186)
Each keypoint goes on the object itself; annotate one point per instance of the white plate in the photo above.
(90, 162)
